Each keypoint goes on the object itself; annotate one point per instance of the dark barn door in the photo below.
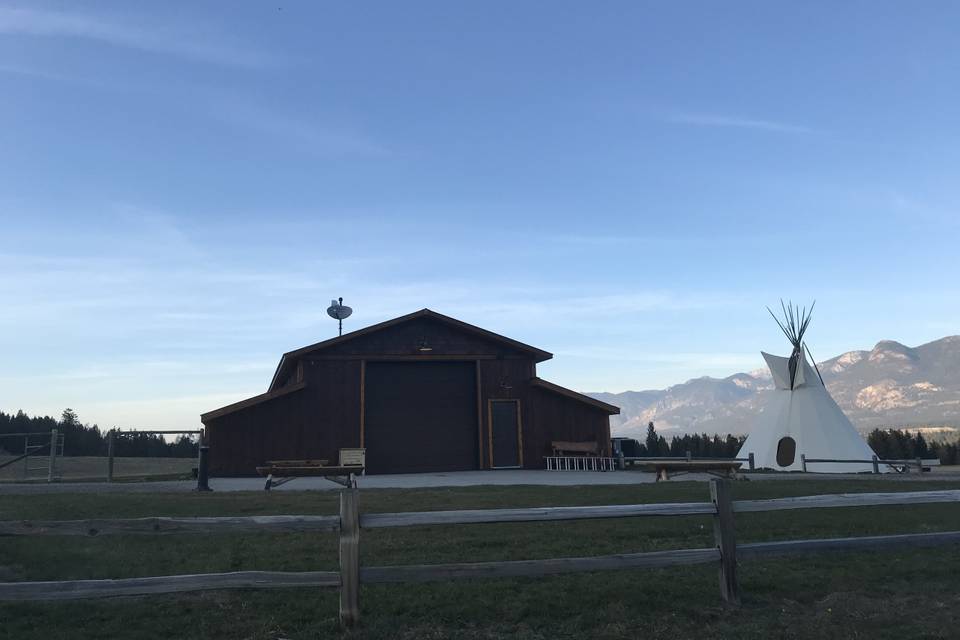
(420, 416)
(505, 432)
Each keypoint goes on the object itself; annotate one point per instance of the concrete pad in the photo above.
(454, 479)
(428, 480)
(390, 481)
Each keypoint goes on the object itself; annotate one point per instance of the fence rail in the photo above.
(536, 514)
(782, 547)
(848, 500)
(349, 523)
(165, 525)
(77, 589)
(875, 461)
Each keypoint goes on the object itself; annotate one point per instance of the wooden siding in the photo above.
(315, 423)
(551, 417)
(405, 339)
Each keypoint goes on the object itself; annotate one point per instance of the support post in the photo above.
(689, 455)
(52, 467)
(751, 462)
(919, 466)
(803, 462)
(349, 557)
(723, 534)
(110, 439)
(876, 464)
(203, 465)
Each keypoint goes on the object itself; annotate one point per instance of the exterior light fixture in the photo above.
(423, 347)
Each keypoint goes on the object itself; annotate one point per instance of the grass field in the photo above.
(908, 594)
(79, 468)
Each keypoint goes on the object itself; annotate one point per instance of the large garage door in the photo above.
(420, 416)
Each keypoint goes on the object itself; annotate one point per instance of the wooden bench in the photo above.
(561, 448)
(351, 464)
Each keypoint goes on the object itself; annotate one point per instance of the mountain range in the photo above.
(891, 385)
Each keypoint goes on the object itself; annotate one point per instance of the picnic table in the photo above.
(287, 470)
(664, 468)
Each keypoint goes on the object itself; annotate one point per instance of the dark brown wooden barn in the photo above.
(422, 393)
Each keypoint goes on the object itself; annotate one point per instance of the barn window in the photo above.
(786, 451)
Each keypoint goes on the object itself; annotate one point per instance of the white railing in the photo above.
(580, 463)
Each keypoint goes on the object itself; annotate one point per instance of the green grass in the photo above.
(891, 594)
(94, 468)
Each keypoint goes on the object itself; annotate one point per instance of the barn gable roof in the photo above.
(574, 395)
(288, 359)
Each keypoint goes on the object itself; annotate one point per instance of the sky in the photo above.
(184, 187)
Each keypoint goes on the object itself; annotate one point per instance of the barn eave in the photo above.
(249, 402)
(574, 395)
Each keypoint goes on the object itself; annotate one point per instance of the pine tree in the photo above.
(920, 448)
(652, 442)
(663, 449)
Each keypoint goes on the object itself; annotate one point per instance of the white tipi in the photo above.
(800, 417)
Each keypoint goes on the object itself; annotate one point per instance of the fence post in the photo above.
(876, 464)
(349, 557)
(919, 466)
(803, 461)
(203, 474)
(723, 534)
(750, 457)
(689, 455)
(52, 467)
(110, 455)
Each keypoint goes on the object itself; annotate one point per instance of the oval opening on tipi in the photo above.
(786, 451)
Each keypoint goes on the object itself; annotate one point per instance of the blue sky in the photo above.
(184, 187)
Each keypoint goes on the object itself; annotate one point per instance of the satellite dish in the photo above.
(339, 312)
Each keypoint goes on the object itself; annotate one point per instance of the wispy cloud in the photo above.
(179, 41)
(30, 72)
(705, 361)
(735, 122)
(916, 210)
(591, 241)
(310, 136)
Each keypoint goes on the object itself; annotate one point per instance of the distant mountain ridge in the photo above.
(892, 385)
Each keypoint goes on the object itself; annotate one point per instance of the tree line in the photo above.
(88, 440)
(700, 445)
(888, 444)
(896, 444)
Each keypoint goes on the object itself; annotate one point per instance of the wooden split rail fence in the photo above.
(900, 466)
(350, 521)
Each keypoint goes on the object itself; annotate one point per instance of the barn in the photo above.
(421, 393)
